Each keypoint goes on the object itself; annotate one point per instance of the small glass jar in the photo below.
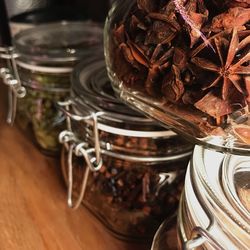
(214, 211)
(182, 64)
(40, 63)
(125, 168)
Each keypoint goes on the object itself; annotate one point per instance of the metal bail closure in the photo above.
(92, 158)
(92, 116)
(91, 164)
(11, 78)
(199, 237)
(67, 138)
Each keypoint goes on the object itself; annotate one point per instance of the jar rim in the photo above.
(44, 69)
(235, 180)
(151, 160)
(91, 88)
(89, 80)
(105, 127)
(41, 43)
(213, 173)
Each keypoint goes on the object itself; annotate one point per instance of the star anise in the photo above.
(154, 64)
(146, 5)
(193, 54)
(241, 3)
(229, 65)
(231, 3)
(172, 84)
(234, 18)
(164, 26)
(198, 14)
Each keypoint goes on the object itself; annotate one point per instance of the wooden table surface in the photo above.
(33, 210)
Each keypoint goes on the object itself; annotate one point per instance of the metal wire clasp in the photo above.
(11, 78)
(90, 117)
(92, 164)
(91, 156)
(200, 236)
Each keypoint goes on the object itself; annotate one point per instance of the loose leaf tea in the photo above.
(194, 55)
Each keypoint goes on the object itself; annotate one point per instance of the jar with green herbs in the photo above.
(40, 63)
(122, 166)
(38, 109)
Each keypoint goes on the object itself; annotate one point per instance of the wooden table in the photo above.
(33, 210)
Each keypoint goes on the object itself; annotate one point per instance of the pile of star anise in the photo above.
(197, 56)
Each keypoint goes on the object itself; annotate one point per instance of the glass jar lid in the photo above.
(99, 121)
(58, 42)
(187, 72)
(221, 201)
(92, 85)
(236, 183)
(92, 91)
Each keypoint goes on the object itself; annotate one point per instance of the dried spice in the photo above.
(143, 164)
(230, 71)
(233, 3)
(243, 132)
(188, 53)
(38, 111)
(234, 18)
(140, 195)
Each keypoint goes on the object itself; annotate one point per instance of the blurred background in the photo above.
(19, 14)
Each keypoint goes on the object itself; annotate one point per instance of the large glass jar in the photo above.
(214, 211)
(125, 168)
(40, 66)
(186, 64)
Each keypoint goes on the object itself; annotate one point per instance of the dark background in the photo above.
(4, 28)
(40, 11)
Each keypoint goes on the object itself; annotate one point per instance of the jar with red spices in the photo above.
(122, 166)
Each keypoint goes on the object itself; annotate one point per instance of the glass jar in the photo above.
(125, 168)
(40, 65)
(214, 211)
(186, 64)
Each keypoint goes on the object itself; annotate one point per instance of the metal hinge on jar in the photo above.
(92, 156)
(11, 78)
(200, 236)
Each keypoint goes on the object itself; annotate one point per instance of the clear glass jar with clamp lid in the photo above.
(191, 74)
(192, 78)
(214, 211)
(215, 207)
(38, 71)
(125, 168)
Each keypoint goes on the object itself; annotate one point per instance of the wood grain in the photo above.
(33, 211)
